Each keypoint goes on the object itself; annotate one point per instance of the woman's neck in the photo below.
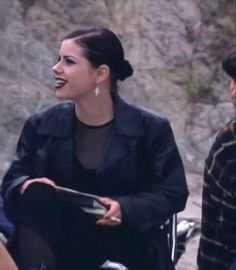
(96, 110)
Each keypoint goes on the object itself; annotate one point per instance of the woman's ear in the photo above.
(103, 72)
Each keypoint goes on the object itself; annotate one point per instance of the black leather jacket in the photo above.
(141, 167)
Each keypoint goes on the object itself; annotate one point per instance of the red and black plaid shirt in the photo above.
(217, 248)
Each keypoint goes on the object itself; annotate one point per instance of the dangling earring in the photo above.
(97, 91)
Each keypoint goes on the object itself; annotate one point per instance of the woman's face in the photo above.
(74, 75)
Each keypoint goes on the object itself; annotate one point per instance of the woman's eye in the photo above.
(69, 61)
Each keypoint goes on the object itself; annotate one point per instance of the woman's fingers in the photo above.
(38, 180)
(113, 215)
(106, 201)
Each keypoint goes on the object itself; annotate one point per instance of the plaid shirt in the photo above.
(217, 248)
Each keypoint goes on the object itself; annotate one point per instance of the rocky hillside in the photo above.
(175, 47)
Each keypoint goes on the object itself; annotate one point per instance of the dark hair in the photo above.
(102, 46)
(229, 64)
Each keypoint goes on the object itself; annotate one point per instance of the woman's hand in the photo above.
(38, 180)
(113, 216)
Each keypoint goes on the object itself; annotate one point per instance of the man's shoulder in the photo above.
(228, 132)
(225, 141)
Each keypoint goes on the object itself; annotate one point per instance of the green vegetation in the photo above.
(200, 89)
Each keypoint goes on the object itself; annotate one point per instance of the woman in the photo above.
(98, 144)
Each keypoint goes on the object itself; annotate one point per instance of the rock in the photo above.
(175, 49)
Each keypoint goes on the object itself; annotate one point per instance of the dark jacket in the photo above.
(141, 167)
(219, 203)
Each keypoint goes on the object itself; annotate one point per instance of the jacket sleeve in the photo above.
(20, 170)
(168, 192)
(219, 190)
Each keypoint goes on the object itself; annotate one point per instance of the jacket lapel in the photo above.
(60, 127)
(127, 128)
(62, 160)
(115, 150)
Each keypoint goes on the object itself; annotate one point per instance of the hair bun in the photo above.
(125, 70)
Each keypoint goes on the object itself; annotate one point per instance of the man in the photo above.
(217, 248)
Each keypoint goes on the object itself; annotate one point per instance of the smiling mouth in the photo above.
(60, 83)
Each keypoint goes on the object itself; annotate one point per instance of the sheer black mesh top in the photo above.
(90, 142)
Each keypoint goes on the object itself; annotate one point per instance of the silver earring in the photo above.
(97, 91)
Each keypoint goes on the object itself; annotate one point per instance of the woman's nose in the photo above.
(57, 68)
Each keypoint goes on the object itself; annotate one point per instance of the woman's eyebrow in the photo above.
(66, 56)
(69, 56)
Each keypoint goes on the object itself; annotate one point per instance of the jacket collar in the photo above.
(127, 118)
(59, 121)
